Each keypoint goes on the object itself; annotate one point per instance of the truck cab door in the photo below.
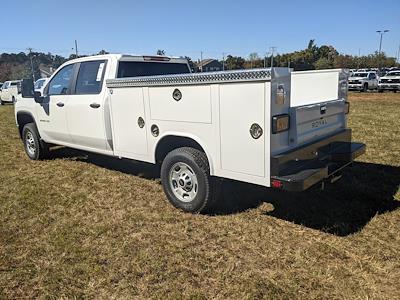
(85, 110)
(51, 113)
(371, 81)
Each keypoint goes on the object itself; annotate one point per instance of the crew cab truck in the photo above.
(9, 91)
(363, 81)
(268, 127)
(390, 82)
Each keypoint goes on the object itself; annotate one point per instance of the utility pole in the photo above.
(398, 55)
(30, 57)
(201, 60)
(76, 48)
(381, 32)
(272, 50)
(223, 61)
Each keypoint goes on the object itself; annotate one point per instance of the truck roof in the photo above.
(132, 57)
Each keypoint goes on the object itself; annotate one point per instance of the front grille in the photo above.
(354, 82)
(390, 80)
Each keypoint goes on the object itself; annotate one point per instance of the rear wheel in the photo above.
(34, 147)
(185, 176)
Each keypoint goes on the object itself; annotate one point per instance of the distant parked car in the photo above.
(10, 91)
(390, 82)
(40, 84)
(363, 81)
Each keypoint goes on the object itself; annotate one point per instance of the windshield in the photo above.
(359, 75)
(393, 74)
(140, 68)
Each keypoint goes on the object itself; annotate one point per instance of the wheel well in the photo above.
(23, 119)
(171, 142)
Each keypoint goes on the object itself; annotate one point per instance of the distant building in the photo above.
(209, 65)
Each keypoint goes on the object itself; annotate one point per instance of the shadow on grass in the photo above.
(342, 208)
(136, 168)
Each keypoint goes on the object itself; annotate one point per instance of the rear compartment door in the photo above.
(128, 123)
(241, 106)
(314, 121)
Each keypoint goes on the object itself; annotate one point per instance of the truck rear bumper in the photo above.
(299, 169)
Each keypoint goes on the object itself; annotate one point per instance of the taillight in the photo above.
(276, 184)
(280, 123)
(346, 107)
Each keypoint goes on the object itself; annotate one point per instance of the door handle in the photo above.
(94, 105)
(60, 104)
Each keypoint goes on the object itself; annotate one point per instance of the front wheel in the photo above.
(365, 87)
(185, 176)
(1, 102)
(34, 147)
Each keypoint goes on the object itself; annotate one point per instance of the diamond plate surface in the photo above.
(193, 78)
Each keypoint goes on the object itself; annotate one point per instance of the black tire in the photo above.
(13, 99)
(394, 91)
(1, 102)
(365, 87)
(37, 149)
(197, 163)
(380, 91)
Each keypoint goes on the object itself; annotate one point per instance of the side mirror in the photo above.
(37, 96)
(27, 88)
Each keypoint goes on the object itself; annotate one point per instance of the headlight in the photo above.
(280, 123)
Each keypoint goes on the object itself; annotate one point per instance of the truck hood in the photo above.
(390, 77)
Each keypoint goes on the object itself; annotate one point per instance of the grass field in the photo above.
(83, 226)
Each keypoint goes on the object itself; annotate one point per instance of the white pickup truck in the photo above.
(363, 81)
(390, 82)
(268, 127)
(9, 91)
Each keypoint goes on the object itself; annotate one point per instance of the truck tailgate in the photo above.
(310, 122)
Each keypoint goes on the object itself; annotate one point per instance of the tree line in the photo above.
(20, 65)
(310, 58)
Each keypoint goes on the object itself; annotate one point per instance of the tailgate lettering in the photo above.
(319, 123)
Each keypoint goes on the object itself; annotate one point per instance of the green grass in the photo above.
(84, 226)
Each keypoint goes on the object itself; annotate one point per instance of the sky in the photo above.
(187, 28)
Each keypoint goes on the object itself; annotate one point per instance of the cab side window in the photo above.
(90, 77)
(60, 83)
